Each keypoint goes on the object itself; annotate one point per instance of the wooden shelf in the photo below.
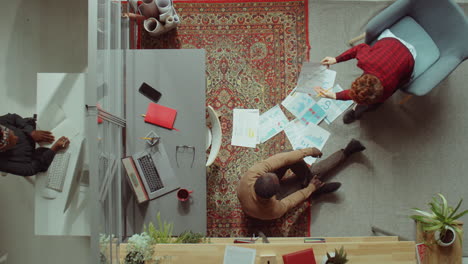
(361, 250)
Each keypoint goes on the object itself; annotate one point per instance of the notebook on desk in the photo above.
(160, 115)
(150, 173)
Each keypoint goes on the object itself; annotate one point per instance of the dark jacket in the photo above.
(23, 159)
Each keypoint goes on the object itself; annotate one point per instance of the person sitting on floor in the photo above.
(387, 65)
(258, 188)
(18, 153)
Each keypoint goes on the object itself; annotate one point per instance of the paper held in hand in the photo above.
(314, 74)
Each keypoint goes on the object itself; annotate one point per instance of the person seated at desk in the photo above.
(387, 66)
(18, 153)
(258, 188)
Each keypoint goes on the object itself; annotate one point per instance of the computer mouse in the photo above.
(49, 193)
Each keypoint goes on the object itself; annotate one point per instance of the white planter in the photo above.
(440, 242)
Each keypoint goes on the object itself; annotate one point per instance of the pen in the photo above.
(323, 93)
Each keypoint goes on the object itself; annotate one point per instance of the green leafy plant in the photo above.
(189, 237)
(440, 217)
(162, 234)
(104, 243)
(139, 249)
(338, 258)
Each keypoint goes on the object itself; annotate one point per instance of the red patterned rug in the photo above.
(254, 54)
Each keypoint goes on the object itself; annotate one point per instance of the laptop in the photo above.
(150, 173)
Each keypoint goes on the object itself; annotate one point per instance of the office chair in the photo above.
(214, 136)
(32, 121)
(438, 29)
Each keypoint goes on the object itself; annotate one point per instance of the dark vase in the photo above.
(134, 257)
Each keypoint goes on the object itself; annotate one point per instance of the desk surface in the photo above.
(67, 91)
(180, 77)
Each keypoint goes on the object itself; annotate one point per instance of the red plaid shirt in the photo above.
(388, 59)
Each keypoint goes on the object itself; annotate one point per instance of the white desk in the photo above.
(67, 91)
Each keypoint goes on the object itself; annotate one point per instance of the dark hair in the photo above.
(366, 89)
(266, 186)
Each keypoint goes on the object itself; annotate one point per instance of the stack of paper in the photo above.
(237, 255)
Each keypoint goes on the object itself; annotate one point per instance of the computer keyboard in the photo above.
(57, 171)
(150, 173)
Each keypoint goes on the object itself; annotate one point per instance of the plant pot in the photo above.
(447, 239)
(325, 258)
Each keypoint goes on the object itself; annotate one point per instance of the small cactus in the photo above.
(339, 258)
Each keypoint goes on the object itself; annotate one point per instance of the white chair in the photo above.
(213, 136)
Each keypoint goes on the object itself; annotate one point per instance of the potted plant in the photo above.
(337, 257)
(441, 220)
(162, 234)
(103, 245)
(189, 237)
(139, 249)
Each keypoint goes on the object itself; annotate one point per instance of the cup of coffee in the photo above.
(183, 194)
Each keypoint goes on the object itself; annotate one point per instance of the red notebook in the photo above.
(160, 115)
(300, 257)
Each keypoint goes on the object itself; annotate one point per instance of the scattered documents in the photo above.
(314, 74)
(334, 108)
(245, 127)
(303, 136)
(236, 255)
(297, 102)
(304, 107)
(272, 122)
(313, 115)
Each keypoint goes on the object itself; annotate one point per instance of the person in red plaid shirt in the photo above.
(387, 65)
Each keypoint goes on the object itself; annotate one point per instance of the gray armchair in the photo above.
(438, 29)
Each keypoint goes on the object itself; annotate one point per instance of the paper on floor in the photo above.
(314, 74)
(306, 136)
(271, 123)
(297, 102)
(304, 107)
(334, 108)
(245, 127)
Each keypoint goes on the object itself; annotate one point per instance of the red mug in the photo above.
(183, 194)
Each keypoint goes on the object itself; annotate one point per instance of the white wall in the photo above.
(36, 36)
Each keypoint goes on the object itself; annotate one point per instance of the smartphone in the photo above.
(149, 92)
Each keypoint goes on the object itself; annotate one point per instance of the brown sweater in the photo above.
(267, 209)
